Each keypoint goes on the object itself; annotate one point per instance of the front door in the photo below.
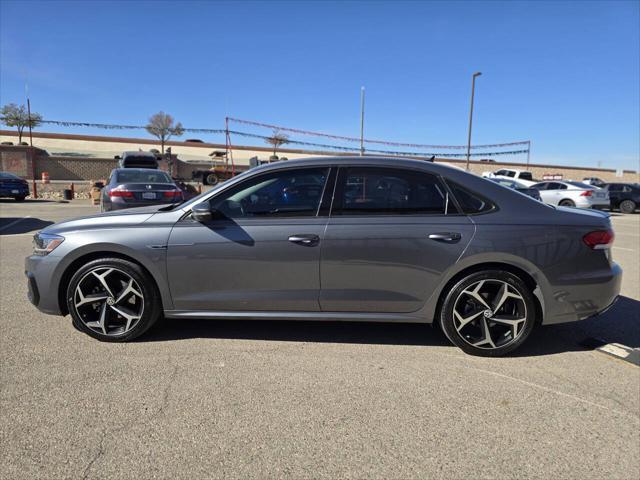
(260, 251)
(391, 235)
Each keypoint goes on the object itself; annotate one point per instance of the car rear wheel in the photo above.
(211, 179)
(567, 203)
(628, 206)
(488, 313)
(113, 300)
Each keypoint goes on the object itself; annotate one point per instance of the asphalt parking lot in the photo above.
(199, 398)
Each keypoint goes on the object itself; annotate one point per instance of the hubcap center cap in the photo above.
(111, 301)
(488, 313)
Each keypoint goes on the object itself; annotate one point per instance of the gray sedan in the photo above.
(137, 187)
(355, 239)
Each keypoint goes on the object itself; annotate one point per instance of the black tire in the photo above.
(20, 199)
(211, 179)
(451, 295)
(567, 203)
(151, 297)
(628, 206)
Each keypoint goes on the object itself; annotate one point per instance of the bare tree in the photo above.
(162, 126)
(18, 116)
(277, 139)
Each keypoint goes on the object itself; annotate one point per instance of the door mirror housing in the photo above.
(202, 212)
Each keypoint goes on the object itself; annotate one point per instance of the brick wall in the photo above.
(16, 159)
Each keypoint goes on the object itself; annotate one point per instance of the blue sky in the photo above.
(565, 75)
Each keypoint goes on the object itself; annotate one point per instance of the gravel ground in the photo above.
(199, 398)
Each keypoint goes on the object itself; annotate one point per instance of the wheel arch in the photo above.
(73, 267)
(527, 277)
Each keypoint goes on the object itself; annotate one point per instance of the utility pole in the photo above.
(473, 88)
(31, 156)
(528, 152)
(361, 121)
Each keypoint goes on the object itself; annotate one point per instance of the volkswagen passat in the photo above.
(356, 239)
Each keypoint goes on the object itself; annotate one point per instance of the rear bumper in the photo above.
(19, 191)
(585, 298)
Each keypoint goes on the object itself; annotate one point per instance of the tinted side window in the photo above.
(526, 176)
(389, 191)
(470, 202)
(289, 193)
(540, 186)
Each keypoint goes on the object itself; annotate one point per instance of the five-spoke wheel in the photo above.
(112, 299)
(488, 313)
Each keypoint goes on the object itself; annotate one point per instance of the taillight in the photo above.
(173, 194)
(586, 193)
(599, 239)
(120, 192)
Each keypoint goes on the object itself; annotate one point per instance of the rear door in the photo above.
(392, 233)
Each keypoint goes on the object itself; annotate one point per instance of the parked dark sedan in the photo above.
(350, 238)
(138, 187)
(520, 187)
(623, 196)
(13, 186)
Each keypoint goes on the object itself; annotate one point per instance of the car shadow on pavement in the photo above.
(17, 225)
(169, 329)
(621, 324)
(28, 200)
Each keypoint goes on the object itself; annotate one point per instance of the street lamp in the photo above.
(473, 88)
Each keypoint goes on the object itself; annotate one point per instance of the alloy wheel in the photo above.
(489, 314)
(108, 301)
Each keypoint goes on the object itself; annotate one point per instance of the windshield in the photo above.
(142, 176)
(219, 186)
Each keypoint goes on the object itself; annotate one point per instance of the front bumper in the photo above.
(42, 284)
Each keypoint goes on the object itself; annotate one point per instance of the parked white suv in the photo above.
(573, 194)
(523, 176)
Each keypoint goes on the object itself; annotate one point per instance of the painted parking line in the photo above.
(11, 224)
(617, 350)
(625, 249)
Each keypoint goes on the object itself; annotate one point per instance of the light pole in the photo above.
(361, 121)
(473, 88)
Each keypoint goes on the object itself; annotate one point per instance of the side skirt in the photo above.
(305, 316)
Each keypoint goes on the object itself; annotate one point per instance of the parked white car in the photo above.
(573, 194)
(523, 176)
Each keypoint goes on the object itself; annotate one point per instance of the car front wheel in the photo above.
(113, 300)
(488, 313)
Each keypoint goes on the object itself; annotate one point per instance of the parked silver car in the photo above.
(138, 187)
(356, 239)
(572, 194)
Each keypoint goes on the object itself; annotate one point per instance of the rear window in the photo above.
(9, 176)
(470, 202)
(526, 176)
(580, 185)
(138, 176)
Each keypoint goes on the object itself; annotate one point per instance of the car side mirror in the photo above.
(202, 212)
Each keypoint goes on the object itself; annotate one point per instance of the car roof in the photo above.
(368, 160)
(155, 170)
(139, 153)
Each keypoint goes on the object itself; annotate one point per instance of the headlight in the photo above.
(45, 243)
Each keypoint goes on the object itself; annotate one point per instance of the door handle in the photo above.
(446, 237)
(308, 240)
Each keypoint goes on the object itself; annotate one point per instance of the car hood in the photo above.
(115, 219)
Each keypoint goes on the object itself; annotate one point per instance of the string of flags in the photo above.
(381, 142)
(108, 126)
